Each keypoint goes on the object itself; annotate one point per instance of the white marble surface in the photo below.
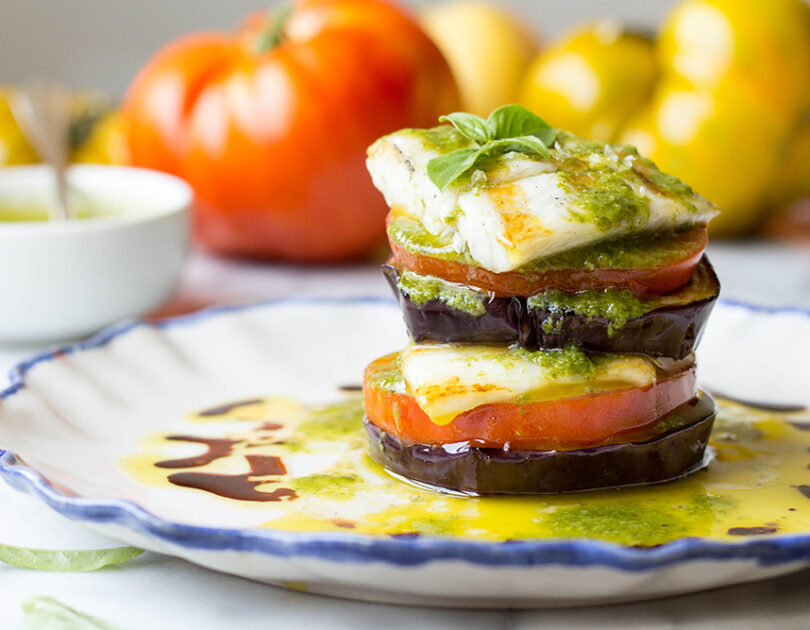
(159, 592)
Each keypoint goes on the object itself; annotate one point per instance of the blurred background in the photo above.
(716, 92)
(109, 41)
(750, 70)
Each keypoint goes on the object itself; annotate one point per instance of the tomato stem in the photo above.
(273, 35)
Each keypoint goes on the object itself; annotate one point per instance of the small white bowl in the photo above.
(63, 280)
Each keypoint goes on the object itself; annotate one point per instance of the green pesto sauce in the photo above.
(387, 380)
(423, 289)
(442, 139)
(667, 184)
(551, 324)
(606, 177)
(616, 305)
(636, 523)
(570, 146)
(670, 421)
(414, 238)
(609, 202)
(295, 445)
(339, 486)
(339, 421)
(568, 361)
(601, 179)
(631, 252)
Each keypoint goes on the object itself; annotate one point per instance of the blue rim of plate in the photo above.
(357, 548)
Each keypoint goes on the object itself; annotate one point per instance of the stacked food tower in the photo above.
(554, 289)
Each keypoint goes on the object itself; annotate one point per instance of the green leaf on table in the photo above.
(66, 560)
(508, 128)
(45, 613)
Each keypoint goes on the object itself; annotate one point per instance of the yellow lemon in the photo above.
(728, 144)
(591, 81)
(14, 149)
(765, 43)
(488, 51)
(793, 178)
(95, 132)
(104, 142)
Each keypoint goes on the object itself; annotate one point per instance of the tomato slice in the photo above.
(673, 272)
(574, 422)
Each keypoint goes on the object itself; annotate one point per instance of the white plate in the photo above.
(71, 417)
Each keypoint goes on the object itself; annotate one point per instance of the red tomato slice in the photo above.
(574, 422)
(674, 273)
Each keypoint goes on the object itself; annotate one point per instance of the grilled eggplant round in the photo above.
(668, 325)
(674, 449)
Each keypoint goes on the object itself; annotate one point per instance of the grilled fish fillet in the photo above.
(517, 208)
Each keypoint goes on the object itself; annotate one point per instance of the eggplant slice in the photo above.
(671, 328)
(670, 455)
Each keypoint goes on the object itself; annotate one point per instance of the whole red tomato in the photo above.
(270, 125)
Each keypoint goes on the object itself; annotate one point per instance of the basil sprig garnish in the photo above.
(508, 128)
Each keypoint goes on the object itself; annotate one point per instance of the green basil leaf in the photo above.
(66, 561)
(509, 128)
(45, 613)
(511, 121)
(445, 169)
(523, 144)
(470, 126)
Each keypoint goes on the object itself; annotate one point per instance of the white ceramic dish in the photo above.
(71, 417)
(66, 280)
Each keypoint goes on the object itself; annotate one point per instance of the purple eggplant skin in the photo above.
(673, 330)
(505, 320)
(472, 470)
